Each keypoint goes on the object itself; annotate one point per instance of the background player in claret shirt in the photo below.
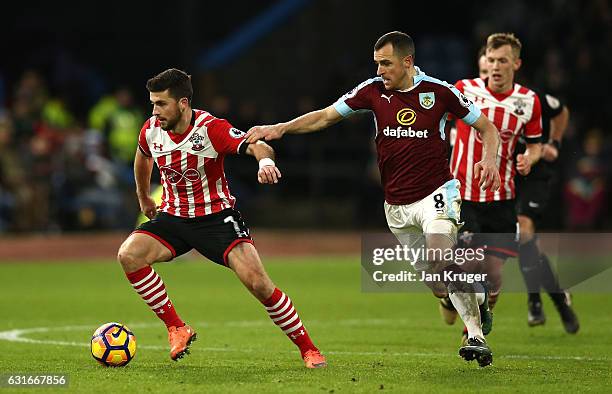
(421, 196)
(490, 217)
(197, 210)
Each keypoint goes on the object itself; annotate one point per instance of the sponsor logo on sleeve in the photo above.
(235, 133)
(464, 101)
(553, 102)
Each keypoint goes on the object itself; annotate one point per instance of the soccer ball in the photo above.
(113, 345)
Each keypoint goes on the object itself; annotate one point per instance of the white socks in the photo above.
(466, 305)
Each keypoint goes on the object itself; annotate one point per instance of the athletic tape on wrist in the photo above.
(266, 161)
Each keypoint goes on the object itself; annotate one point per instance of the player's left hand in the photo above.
(268, 174)
(523, 164)
(549, 152)
(488, 174)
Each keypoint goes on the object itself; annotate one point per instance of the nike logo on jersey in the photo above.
(533, 204)
(387, 97)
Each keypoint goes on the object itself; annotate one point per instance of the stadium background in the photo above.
(72, 100)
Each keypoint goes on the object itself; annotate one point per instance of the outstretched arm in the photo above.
(143, 166)
(486, 170)
(312, 121)
(268, 172)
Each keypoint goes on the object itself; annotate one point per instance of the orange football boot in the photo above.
(180, 338)
(314, 359)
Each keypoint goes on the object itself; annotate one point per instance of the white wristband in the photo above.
(266, 161)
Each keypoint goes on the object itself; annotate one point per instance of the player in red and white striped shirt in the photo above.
(197, 210)
(490, 217)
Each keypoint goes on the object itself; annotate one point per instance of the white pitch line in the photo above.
(17, 335)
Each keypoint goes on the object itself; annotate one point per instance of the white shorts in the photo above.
(410, 222)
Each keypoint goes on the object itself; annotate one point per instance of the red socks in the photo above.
(151, 289)
(283, 314)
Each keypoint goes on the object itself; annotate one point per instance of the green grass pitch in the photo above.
(373, 342)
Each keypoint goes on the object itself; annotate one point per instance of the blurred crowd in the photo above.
(60, 172)
(66, 160)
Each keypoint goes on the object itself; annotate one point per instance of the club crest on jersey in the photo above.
(197, 141)
(235, 133)
(427, 100)
(519, 104)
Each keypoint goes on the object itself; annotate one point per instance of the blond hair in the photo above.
(497, 40)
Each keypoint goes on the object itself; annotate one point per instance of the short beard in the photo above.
(171, 123)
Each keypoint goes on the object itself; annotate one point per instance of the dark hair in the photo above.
(402, 43)
(176, 81)
(482, 51)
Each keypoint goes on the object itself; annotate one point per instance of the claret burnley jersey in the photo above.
(411, 132)
(191, 164)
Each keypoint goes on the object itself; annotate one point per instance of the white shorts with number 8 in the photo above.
(438, 213)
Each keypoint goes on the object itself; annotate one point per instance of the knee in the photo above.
(260, 285)
(129, 260)
(440, 291)
(526, 229)
(494, 281)
(493, 299)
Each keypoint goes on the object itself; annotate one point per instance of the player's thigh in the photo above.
(403, 223)
(216, 235)
(440, 240)
(533, 198)
(165, 234)
(443, 204)
(403, 219)
(499, 227)
(140, 249)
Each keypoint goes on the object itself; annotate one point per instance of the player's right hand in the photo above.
(549, 152)
(267, 133)
(148, 206)
(488, 174)
(523, 164)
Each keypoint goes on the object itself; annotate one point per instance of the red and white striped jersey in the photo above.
(191, 164)
(514, 112)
